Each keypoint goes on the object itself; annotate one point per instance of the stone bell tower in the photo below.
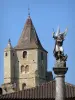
(31, 59)
(9, 64)
(9, 68)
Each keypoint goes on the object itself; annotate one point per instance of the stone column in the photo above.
(60, 68)
(60, 82)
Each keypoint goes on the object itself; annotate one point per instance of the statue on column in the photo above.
(58, 49)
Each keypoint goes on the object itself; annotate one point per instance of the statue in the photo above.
(58, 49)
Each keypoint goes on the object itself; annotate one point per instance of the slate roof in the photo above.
(29, 38)
(44, 91)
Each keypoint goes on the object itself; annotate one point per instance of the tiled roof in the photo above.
(29, 38)
(44, 91)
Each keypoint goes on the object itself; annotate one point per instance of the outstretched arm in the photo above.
(65, 32)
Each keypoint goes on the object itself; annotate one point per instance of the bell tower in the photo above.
(8, 63)
(32, 58)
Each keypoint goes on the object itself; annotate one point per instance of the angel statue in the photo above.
(58, 49)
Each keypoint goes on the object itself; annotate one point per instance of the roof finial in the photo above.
(28, 11)
(9, 41)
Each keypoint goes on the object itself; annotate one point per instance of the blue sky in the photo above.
(45, 14)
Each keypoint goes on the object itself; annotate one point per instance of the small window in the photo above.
(22, 68)
(6, 54)
(26, 68)
(25, 54)
(23, 86)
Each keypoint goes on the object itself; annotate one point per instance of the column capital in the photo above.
(60, 71)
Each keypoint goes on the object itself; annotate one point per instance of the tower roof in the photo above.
(29, 38)
(9, 46)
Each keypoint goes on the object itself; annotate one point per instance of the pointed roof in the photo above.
(29, 38)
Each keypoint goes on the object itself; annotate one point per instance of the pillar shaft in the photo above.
(60, 87)
(60, 82)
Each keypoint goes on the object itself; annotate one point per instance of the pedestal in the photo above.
(60, 82)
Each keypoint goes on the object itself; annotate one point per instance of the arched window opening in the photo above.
(22, 68)
(6, 54)
(26, 68)
(23, 86)
(25, 54)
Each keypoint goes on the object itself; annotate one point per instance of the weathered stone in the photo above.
(60, 64)
(60, 81)
(60, 87)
